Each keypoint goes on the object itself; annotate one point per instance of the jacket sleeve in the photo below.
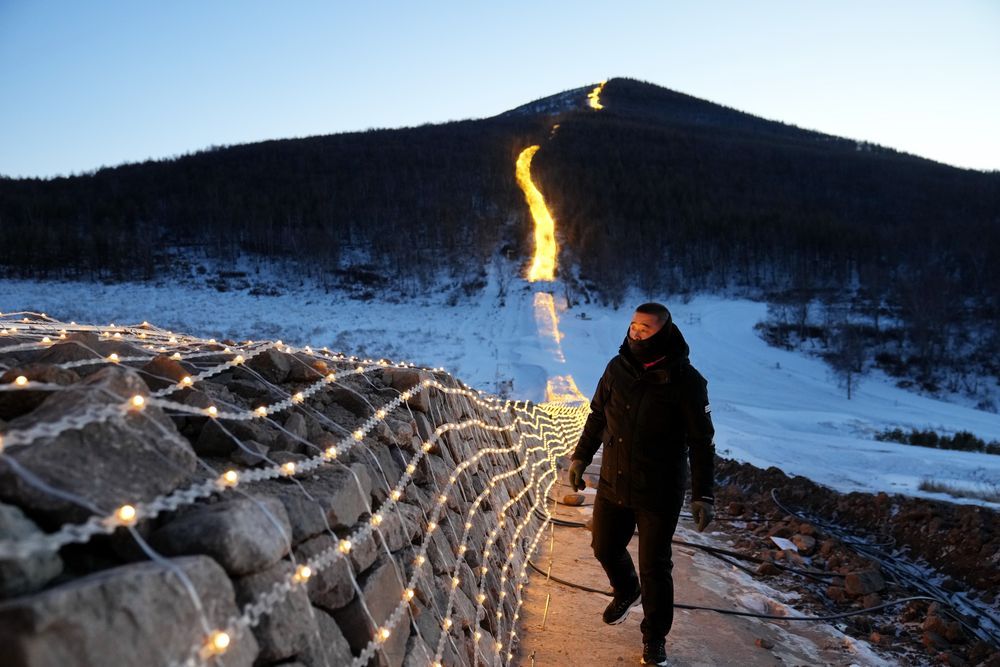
(700, 431)
(590, 439)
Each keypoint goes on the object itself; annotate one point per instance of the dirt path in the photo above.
(573, 634)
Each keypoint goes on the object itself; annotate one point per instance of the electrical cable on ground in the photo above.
(733, 612)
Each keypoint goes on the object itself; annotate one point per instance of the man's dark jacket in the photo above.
(650, 420)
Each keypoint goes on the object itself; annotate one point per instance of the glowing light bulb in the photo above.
(212, 411)
(126, 515)
(431, 527)
(484, 569)
(330, 453)
(455, 581)
(421, 559)
(462, 549)
(447, 624)
(383, 633)
(20, 380)
(138, 402)
(410, 468)
(408, 594)
(186, 381)
(427, 446)
(299, 397)
(288, 468)
(481, 598)
(303, 573)
(442, 498)
(172, 339)
(359, 435)
(380, 414)
(376, 519)
(113, 358)
(218, 642)
(46, 340)
(229, 478)
(344, 546)
(396, 494)
(261, 411)
(176, 356)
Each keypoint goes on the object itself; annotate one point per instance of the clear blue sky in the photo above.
(85, 84)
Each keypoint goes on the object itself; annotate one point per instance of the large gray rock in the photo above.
(127, 459)
(403, 379)
(272, 365)
(333, 586)
(291, 627)
(24, 575)
(331, 499)
(381, 591)
(328, 648)
(219, 437)
(141, 614)
(16, 403)
(244, 535)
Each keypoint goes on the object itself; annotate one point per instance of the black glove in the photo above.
(576, 470)
(703, 512)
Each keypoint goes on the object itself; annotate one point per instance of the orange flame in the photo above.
(594, 97)
(543, 265)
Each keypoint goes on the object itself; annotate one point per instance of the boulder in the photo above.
(381, 591)
(19, 576)
(290, 628)
(332, 587)
(328, 647)
(402, 379)
(161, 372)
(806, 544)
(219, 437)
(139, 614)
(272, 365)
(244, 535)
(126, 459)
(249, 453)
(16, 403)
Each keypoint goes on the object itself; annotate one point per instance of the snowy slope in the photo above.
(771, 407)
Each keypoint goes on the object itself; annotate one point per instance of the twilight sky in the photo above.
(87, 84)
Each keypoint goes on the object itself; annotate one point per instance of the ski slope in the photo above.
(771, 407)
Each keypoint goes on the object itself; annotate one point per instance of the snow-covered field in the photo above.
(771, 407)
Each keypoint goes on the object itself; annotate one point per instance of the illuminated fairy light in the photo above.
(21, 381)
(594, 97)
(138, 402)
(543, 264)
(126, 515)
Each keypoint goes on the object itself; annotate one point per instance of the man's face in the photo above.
(643, 326)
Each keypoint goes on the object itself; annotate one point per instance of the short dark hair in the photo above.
(653, 308)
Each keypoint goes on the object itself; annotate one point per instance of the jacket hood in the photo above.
(667, 343)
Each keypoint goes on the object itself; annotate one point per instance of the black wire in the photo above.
(732, 612)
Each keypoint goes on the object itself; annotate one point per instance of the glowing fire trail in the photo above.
(594, 97)
(543, 266)
(559, 388)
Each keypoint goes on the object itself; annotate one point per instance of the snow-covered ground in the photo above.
(771, 407)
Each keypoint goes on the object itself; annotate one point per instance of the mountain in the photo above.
(657, 189)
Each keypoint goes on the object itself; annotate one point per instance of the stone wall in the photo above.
(169, 500)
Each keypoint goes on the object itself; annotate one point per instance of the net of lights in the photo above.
(519, 521)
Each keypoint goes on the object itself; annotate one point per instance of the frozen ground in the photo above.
(771, 407)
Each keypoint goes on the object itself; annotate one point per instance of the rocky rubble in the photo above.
(956, 546)
(153, 590)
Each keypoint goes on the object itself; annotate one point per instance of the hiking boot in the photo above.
(617, 611)
(654, 652)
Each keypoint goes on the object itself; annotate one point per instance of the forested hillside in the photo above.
(658, 189)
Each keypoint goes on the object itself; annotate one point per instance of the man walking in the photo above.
(649, 411)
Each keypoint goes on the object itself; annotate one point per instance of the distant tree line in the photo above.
(412, 201)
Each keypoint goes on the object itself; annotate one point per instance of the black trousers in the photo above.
(613, 528)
